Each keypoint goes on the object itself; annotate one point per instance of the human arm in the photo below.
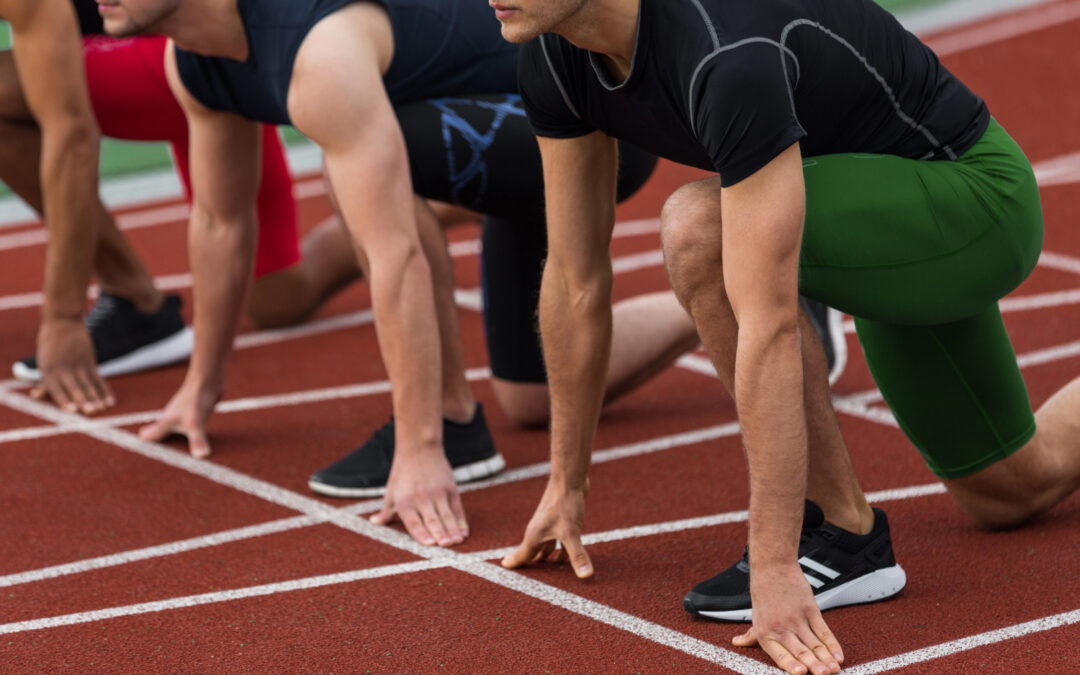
(48, 58)
(221, 240)
(575, 324)
(347, 112)
(762, 234)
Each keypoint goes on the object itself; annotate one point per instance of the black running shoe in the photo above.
(829, 325)
(126, 340)
(843, 569)
(364, 472)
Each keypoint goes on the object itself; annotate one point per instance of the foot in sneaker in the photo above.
(829, 325)
(843, 569)
(126, 340)
(364, 472)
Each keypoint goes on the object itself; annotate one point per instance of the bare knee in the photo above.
(691, 237)
(281, 299)
(1012, 491)
(526, 404)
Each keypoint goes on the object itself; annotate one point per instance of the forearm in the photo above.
(405, 321)
(575, 324)
(69, 178)
(768, 385)
(222, 255)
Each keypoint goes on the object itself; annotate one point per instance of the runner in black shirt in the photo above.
(851, 166)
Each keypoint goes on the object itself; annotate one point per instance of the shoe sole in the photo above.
(878, 585)
(462, 474)
(176, 347)
(835, 321)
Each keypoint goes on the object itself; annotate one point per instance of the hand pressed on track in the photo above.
(788, 625)
(69, 373)
(558, 520)
(421, 491)
(186, 414)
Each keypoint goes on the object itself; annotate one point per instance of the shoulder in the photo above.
(552, 86)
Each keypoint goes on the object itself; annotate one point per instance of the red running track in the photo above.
(120, 555)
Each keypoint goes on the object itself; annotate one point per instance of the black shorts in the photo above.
(480, 152)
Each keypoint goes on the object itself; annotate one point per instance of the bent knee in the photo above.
(526, 404)
(690, 226)
(1005, 495)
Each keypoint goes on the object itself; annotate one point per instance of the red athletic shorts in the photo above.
(132, 101)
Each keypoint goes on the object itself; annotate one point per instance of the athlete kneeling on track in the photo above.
(326, 67)
(132, 327)
(851, 166)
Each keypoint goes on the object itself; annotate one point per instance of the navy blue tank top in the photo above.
(441, 48)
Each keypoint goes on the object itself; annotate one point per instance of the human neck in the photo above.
(608, 28)
(209, 28)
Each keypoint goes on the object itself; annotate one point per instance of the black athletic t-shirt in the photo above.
(90, 21)
(726, 85)
(441, 48)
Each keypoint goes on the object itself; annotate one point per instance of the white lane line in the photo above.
(217, 596)
(1007, 27)
(1060, 261)
(696, 363)
(384, 535)
(506, 579)
(461, 561)
(458, 249)
(627, 622)
(309, 329)
(513, 476)
(966, 643)
(137, 219)
(171, 548)
(1064, 170)
(1050, 354)
(227, 406)
(24, 300)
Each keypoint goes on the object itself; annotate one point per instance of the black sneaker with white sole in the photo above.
(842, 568)
(364, 472)
(126, 340)
(829, 324)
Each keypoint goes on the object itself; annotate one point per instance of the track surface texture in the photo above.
(123, 555)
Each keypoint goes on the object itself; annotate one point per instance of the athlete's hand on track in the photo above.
(558, 518)
(788, 625)
(68, 371)
(186, 415)
(424, 495)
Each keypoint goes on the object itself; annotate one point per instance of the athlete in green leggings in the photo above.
(918, 235)
(919, 253)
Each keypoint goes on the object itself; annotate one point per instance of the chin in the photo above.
(120, 28)
(518, 34)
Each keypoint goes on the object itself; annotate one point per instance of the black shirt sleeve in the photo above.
(743, 110)
(547, 101)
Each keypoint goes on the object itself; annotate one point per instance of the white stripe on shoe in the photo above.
(818, 567)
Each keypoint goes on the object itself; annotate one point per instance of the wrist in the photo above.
(562, 482)
(205, 384)
(57, 315)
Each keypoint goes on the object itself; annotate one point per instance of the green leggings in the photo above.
(919, 252)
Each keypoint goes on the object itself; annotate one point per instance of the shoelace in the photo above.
(101, 312)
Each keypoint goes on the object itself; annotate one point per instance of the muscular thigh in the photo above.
(919, 242)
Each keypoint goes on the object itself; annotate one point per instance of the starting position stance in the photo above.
(351, 76)
(851, 165)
